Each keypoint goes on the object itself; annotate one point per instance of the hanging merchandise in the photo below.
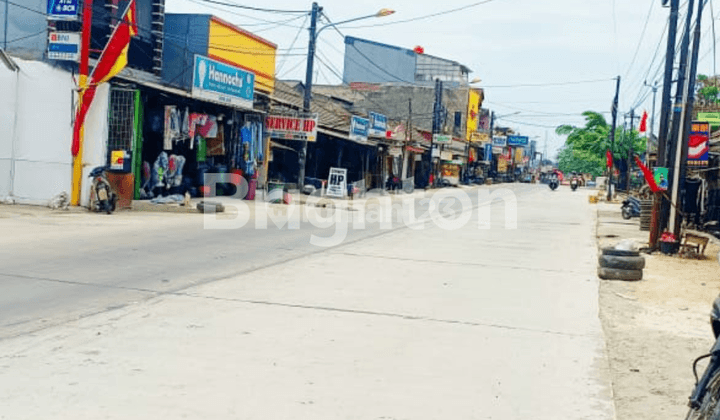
(202, 149)
(247, 149)
(185, 125)
(209, 129)
(216, 146)
(172, 127)
(195, 121)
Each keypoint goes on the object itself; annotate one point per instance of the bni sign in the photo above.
(220, 82)
(64, 46)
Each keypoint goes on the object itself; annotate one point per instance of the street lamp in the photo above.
(309, 71)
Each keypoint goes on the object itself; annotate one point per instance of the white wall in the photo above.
(8, 85)
(42, 160)
(96, 133)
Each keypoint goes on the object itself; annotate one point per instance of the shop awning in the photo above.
(276, 145)
(142, 78)
(369, 142)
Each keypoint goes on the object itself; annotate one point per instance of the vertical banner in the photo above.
(699, 144)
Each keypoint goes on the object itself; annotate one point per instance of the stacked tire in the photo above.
(616, 264)
(645, 214)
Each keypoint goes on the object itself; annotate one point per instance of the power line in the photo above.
(292, 45)
(256, 9)
(266, 22)
(423, 17)
(642, 37)
(579, 82)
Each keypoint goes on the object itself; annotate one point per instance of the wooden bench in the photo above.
(695, 242)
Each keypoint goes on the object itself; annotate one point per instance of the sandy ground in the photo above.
(656, 327)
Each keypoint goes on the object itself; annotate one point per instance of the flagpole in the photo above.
(115, 29)
(84, 70)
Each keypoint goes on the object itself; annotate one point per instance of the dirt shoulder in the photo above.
(657, 327)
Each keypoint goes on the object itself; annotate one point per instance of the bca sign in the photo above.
(337, 183)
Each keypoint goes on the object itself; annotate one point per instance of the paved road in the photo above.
(395, 324)
(66, 267)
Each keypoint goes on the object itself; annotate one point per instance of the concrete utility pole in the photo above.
(437, 110)
(612, 135)
(656, 222)
(652, 122)
(302, 156)
(630, 149)
(680, 163)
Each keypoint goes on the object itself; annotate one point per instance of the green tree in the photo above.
(592, 141)
(573, 160)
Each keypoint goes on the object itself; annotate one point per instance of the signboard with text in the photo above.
(337, 183)
(699, 144)
(64, 46)
(499, 141)
(359, 128)
(518, 141)
(303, 128)
(378, 124)
(62, 9)
(442, 138)
(220, 82)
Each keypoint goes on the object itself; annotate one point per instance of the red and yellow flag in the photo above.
(113, 59)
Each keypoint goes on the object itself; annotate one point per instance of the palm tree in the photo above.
(594, 137)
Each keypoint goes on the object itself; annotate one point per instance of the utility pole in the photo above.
(437, 109)
(678, 177)
(5, 25)
(630, 148)
(652, 122)
(612, 135)
(302, 156)
(408, 139)
(656, 223)
(83, 80)
(667, 82)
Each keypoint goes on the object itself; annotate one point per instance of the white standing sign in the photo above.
(337, 184)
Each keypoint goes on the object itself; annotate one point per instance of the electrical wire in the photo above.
(292, 44)
(578, 82)
(44, 31)
(445, 12)
(255, 9)
(642, 37)
(234, 13)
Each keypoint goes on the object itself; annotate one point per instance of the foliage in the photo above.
(572, 160)
(707, 89)
(586, 146)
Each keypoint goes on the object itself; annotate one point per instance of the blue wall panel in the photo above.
(373, 62)
(185, 36)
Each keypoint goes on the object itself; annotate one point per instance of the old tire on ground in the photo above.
(622, 263)
(618, 274)
(620, 252)
(710, 407)
(210, 207)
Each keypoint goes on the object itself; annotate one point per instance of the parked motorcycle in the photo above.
(102, 196)
(705, 398)
(574, 182)
(630, 208)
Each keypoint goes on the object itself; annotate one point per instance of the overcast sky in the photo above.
(505, 43)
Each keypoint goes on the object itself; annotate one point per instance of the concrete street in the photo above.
(150, 316)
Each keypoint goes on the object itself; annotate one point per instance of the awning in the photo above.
(369, 142)
(141, 78)
(276, 145)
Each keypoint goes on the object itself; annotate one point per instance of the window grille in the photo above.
(121, 119)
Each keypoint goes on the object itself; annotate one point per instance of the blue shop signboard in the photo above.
(378, 124)
(220, 82)
(499, 141)
(62, 9)
(359, 128)
(518, 141)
